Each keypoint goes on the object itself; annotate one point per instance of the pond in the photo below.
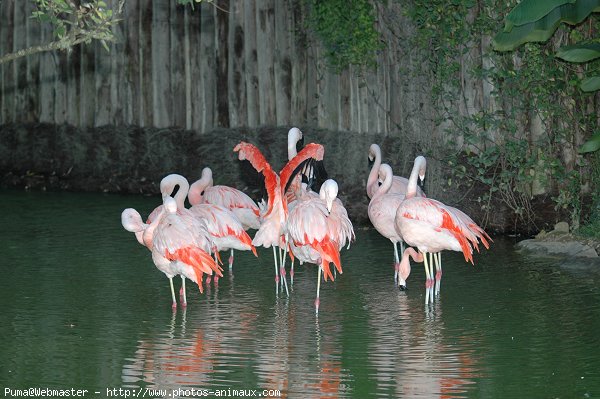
(84, 307)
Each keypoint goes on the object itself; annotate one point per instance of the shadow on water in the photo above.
(84, 306)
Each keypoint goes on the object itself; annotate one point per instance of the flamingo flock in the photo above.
(297, 222)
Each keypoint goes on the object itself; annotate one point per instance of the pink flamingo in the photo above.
(318, 228)
(225, 229)
(179, 246)
(243, 207)
(431, 226)
(399, 184)
(274, 214)
(296, 188)
(382, 210)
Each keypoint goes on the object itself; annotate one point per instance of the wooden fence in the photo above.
(250, 65)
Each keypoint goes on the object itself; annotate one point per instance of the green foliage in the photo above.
(495, 147)
(536, 21)
(71, 20)
(347, 31)
(530, 11)
(592, 144)
(579, 52)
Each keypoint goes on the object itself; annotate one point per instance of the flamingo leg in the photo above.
(396, 263)
(283, 266)
(182, 295)
(317, 300)
(428, 280)
(231, 260)
(438, 272)
(292, 274)
(174, 305)
(432, 257)
(276, 271)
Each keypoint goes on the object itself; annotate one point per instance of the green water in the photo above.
(84, 307)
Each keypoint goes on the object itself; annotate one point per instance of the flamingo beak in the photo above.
(329, 205)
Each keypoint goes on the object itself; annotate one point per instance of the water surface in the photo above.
(83, 306)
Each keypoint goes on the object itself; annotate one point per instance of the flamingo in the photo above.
(182, 244)
(179, 245)
(431, 226)
(296, 187)
(275, 211)
(382, 210)
(225, 229)
(318, 228)
(399, 183)
(244, 208)
(132, 222)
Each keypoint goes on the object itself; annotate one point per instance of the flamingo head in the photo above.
(328, 193)
(132, 220)
(197, 188)
(170, 205)
(295, 140)
(422, 165)
(374, 151)
(403, 272)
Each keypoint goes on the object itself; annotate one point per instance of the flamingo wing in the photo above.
(221, 222)
(251, 153)
(441, 216)
(229, 197)
(176, 240)
(308, 226)
(311, 151)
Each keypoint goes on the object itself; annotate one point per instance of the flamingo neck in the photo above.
(167, 186)
(293, 139)
(195, 192)
(374, 174)
(418, 168)
(148, 232)
(387, 182)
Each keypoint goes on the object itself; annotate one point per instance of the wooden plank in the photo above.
(299, 67)
(187, 59)
(145, 54)
(196, 58)
(312, 88)
(6, 47)
(73, 85)
(132, 95)
(344, 111)
(102, 115)
(251, 58)
(237, 89)
(177, 34)
(162, 109)
(33, 67)
(265, 46)
(47, 77)
(20, 64)
(87, 85)
(222, 49)
(330, 99)
(283, 62)
(207, 64)
(118, 77)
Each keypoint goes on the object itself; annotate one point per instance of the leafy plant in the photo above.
(73, 24)
(536, 21)
(347, 31)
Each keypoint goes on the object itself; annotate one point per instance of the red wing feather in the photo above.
(330, 249)
(196, 258)
(312, 150)
(251, 153)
